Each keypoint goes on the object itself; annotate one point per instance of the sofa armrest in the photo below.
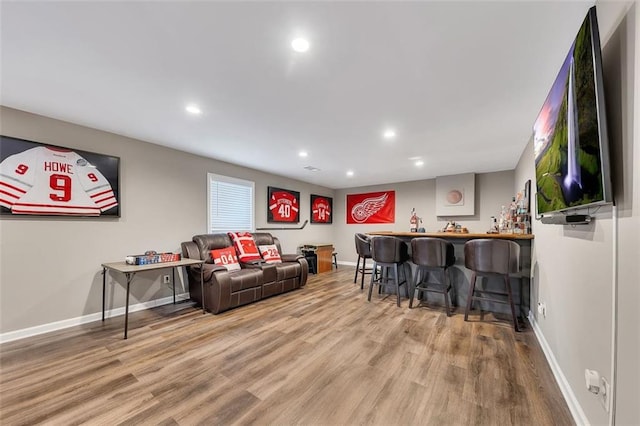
(291, 257)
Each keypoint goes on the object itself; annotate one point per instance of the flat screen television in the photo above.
(571, 146)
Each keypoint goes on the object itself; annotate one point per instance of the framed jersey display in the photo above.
(48, 180)
(321, 209)
(283, 205)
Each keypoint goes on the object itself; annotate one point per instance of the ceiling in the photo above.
(460, 82)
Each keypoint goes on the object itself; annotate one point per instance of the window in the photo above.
(230, 204)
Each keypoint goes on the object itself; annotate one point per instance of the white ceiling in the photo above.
(461, 82)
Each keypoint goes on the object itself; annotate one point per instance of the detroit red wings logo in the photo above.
(371, 207)
(368, 207)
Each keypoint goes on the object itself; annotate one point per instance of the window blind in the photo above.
(230, 204)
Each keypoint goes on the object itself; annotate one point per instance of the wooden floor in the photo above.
(320, 355)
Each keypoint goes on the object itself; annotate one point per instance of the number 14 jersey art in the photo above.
(47, 180)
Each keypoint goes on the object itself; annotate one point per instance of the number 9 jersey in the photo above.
(53, 181)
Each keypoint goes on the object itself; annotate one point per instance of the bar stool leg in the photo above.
(364, 268)
(507, 282)
(446, 285)
(472, 287)
(371, 284)
(355, 278)
(416, 288)
(397, 280)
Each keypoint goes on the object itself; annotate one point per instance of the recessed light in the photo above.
(419, 163)
(300, 45)
(350, 173)
(303, 153)
(193, 109)
(389, 134)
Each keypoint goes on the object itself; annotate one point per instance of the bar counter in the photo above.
(461, 276)
(459, 235)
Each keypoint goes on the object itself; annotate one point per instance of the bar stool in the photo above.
(363, 248)
(432, 255)
(335, 259)
(388, 253)
(491, 257)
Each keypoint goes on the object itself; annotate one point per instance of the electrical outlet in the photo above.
(542, 309)
(166, 279)
(604, 397)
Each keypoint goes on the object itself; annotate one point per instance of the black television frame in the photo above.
(603, 139)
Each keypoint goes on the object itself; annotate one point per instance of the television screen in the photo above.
(570, 134)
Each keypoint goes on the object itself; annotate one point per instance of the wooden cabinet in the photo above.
(324, 254)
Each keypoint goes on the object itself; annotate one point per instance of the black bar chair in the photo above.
(432, 255)
(363, 248)
(490, 257)
(388, 254)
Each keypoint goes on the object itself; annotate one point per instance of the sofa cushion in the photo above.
(270, 253)
(226, 257)
(208, 242)
(245, 246)
(245, 278)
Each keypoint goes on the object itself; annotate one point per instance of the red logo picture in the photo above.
(372, 207)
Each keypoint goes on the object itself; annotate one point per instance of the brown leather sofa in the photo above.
(256, 280)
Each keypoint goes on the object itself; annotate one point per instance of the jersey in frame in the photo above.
(321, 210)
(283, 206)
(53, 181)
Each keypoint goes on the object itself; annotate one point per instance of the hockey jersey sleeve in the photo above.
(17, 174)
(98, 188)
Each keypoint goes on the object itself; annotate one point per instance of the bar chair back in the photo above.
(492, 257)
(432, 255)
(390, 254)
(363, 248)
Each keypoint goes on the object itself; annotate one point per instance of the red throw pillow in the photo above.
(270, 254)
(226, 257)
(245, 246)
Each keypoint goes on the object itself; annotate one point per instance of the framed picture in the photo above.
(455, 195)
(371, 207)
(321, 209)
(48, 180)
(283, 205)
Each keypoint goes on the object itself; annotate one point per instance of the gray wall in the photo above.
(50, 268)
(574, 268)
(492, 191)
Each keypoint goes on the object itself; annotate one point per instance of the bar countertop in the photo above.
(460, 235)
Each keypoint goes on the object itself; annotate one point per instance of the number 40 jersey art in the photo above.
(53, 181)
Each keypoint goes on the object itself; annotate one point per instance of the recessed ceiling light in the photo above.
(303, 153)
(389, 134)
(419, 163)
(350, 173)
(193, 109)
(300, 45)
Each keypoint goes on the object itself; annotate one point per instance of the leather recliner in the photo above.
(256, 280)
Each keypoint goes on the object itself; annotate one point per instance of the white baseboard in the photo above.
(59, 325)
(343, 262)
(574, 406)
